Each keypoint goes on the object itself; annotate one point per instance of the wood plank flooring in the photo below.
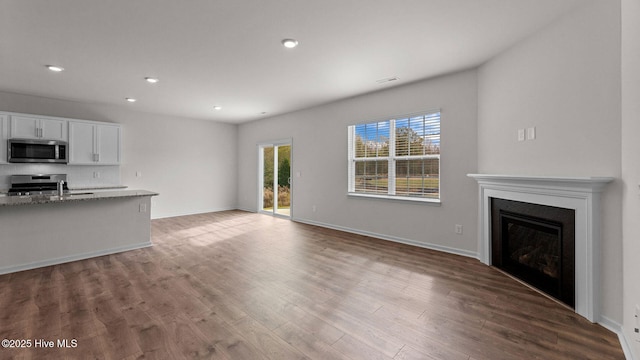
(237, 285)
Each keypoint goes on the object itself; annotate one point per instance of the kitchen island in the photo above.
(38, 231)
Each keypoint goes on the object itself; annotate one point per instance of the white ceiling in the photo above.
(228, 52)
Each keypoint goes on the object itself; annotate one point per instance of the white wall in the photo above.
(320, 155)
(191, 163)
(565, 81)
(631, 166)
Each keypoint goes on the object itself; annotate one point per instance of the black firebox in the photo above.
(536, 244)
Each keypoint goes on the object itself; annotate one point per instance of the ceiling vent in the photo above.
(386, 80)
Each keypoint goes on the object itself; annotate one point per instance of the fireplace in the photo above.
(536, 244)
(580, 194)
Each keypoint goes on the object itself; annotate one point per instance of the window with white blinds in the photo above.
(397, 158)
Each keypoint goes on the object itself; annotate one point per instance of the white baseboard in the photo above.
(626, 348)
(617, 328)
(165, 216)
(61, 260)
(450, 250)
(610, 324)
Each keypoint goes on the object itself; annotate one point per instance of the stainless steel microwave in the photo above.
(37, 151)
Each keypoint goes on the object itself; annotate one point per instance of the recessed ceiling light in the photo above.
(55, 68)
(217, 107)
(290, 43)
(152, 80)
(131, 100)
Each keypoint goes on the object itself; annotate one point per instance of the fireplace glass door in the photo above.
(532, 251)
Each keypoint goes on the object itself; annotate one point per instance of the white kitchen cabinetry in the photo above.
(4, 135)
(93, 143)
(27, 127)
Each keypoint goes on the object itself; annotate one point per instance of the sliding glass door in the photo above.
(275, 178)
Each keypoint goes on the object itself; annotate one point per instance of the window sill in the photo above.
(433, 202)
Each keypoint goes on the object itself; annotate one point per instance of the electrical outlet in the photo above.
(138, 173)
(314, 208)
(143, 208)
(96, 175)
(636, 329)
(458, 229)
(521, 135)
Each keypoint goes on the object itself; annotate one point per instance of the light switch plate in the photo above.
(531, 133)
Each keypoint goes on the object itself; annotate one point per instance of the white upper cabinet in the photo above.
(93, 143)
(54, 129)
(81, 148)
(27, 127)
(108, 137)
(23, 127)
(4, 135)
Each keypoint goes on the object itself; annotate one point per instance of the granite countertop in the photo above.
(40, 199)
(89, 187)
(82, 187)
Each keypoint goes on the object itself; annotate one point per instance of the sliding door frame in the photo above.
(260, 148)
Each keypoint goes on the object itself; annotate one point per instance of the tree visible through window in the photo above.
(397, 157)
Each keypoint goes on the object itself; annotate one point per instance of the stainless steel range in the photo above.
(40, 184)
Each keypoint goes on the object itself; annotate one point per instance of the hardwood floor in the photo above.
(236, 285)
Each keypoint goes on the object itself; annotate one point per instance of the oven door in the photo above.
(36, 151)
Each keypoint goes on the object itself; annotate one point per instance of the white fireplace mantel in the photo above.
(581, 194)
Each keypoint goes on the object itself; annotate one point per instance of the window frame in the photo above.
(392, 160)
